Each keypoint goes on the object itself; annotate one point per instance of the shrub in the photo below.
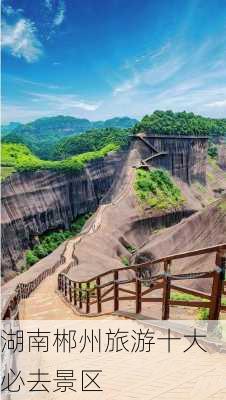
(212, 151)
(156, 189)
(51, 240)
(31, 258)
(125, 261)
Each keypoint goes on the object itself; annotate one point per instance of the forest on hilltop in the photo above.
(181, 123)
(52, 138)
(160, 122)
(43, 134)
(91, 141)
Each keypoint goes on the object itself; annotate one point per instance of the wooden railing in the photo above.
(114, 286)
(10, 310)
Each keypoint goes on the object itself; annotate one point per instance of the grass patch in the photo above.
(19, 157)
(156, 189)
(174, 295)
(125, 261)
(50, 241)
(6, 171)
(131, 248)
(202, 313)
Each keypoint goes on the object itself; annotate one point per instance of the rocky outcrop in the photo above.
(203, 229)
(222, 156)
(183, 156)
(35, 202)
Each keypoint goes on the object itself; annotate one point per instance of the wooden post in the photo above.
(59, 282)
(166, 298)
(166, 292)
(80, 295)
(70, 292)
(65, 286)
(75, 294)
(87, 297)
(99, 308)
(116, 297)
(138, 293)
(217, 287)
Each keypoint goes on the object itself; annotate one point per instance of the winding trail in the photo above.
(44, 302)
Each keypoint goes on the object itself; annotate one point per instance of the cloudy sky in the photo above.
(97, 59)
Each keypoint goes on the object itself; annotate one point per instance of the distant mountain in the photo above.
(9, 128)
(117, 122)
(42, 134)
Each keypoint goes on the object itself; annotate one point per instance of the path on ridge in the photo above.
(44, 302)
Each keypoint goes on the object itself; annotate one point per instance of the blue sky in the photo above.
(103, 58)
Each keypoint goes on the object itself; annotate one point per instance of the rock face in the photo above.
(35, 202)
(203, 229)
(222, 156)
(183, 156)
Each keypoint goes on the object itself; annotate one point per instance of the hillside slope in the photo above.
(203, 229)
(42, 134)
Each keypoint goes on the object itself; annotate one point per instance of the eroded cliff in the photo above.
(35, 202)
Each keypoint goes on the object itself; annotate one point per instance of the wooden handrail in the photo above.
(171, 257)
(190, 253)
(162, 281)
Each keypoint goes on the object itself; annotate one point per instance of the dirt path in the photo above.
(44, 302)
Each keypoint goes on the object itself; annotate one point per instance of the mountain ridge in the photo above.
(42, 134)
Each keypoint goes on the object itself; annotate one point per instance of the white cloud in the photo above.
(22, 113)
(43, 105)
(65, 102)
(49, 4)
(126, 86)
(60, 14)
(33, 83)
(21, 40)
(219, 103)
(10, 11)
(150, 76)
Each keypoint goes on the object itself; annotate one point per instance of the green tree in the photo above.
(31, 258)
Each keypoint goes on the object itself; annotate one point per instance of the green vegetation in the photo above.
(131, 248)
(156, 189)
(20, 157)
(6, 171)
(174, 295)
(202, 312)
(125, 261)
(91, 141)
(50, 241)
(213, 150)
(42, 135)
(181, 123)
(9, 128)
(91, 288)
